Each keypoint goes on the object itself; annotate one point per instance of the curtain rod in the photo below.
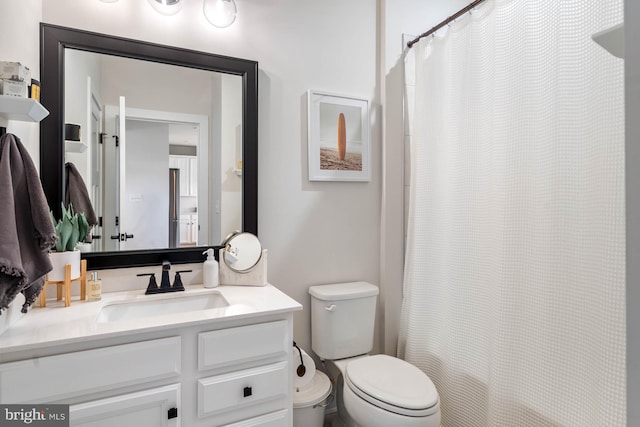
(445, 22)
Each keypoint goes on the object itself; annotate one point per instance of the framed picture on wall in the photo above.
(339, 147)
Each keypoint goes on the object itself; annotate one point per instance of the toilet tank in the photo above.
(342, 319)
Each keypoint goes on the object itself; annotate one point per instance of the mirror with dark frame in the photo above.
(187, 139)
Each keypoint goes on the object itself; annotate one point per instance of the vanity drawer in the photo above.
(52, 378)
(146, 408)
(232, 346)
(275, 419)
(244, 394)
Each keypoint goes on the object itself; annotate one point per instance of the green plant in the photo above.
(71, 229)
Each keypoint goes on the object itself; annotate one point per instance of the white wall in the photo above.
(153, 86)
(315, 232)
(20, 42)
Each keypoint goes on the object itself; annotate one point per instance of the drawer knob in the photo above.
(172, 413)
(247, 391)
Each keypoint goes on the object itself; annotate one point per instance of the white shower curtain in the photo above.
(515, 265)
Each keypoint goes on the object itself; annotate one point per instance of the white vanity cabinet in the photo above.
(234, 373)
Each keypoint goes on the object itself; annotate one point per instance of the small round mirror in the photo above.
(242, 251)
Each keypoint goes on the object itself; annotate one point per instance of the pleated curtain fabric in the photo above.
(514, 288)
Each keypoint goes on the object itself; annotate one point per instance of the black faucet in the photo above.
(165, 285)
(177, 281)
(152, 287)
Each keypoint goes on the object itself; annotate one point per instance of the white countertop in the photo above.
(59, 325)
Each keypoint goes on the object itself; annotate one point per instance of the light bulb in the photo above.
(221, 13)
(166, 7)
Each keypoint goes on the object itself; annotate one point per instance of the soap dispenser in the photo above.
(210, 270)
(94, 286)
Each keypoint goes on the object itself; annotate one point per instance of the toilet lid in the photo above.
(391, 383)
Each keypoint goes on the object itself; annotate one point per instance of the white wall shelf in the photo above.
(75, 146)
(23, 109)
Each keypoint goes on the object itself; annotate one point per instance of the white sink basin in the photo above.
(172, 304)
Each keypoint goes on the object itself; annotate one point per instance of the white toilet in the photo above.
(371, 391)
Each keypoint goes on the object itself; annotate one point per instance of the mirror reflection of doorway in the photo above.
(148, 205)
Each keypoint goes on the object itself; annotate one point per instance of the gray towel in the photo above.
(77, 195)
(27, 232)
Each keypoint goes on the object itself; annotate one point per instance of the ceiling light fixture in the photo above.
(220, 13)
(166, 7)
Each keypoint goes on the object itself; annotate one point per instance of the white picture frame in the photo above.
(338, 142)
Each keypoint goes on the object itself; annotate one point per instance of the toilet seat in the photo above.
(393, 385)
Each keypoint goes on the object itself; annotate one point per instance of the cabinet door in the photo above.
(182, 163)
(188, 166)
(193, 176)
(188, 230)
(185, 230)
(157, 407)
(193, 231)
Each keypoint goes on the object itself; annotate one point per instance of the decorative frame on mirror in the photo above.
(53, 41)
